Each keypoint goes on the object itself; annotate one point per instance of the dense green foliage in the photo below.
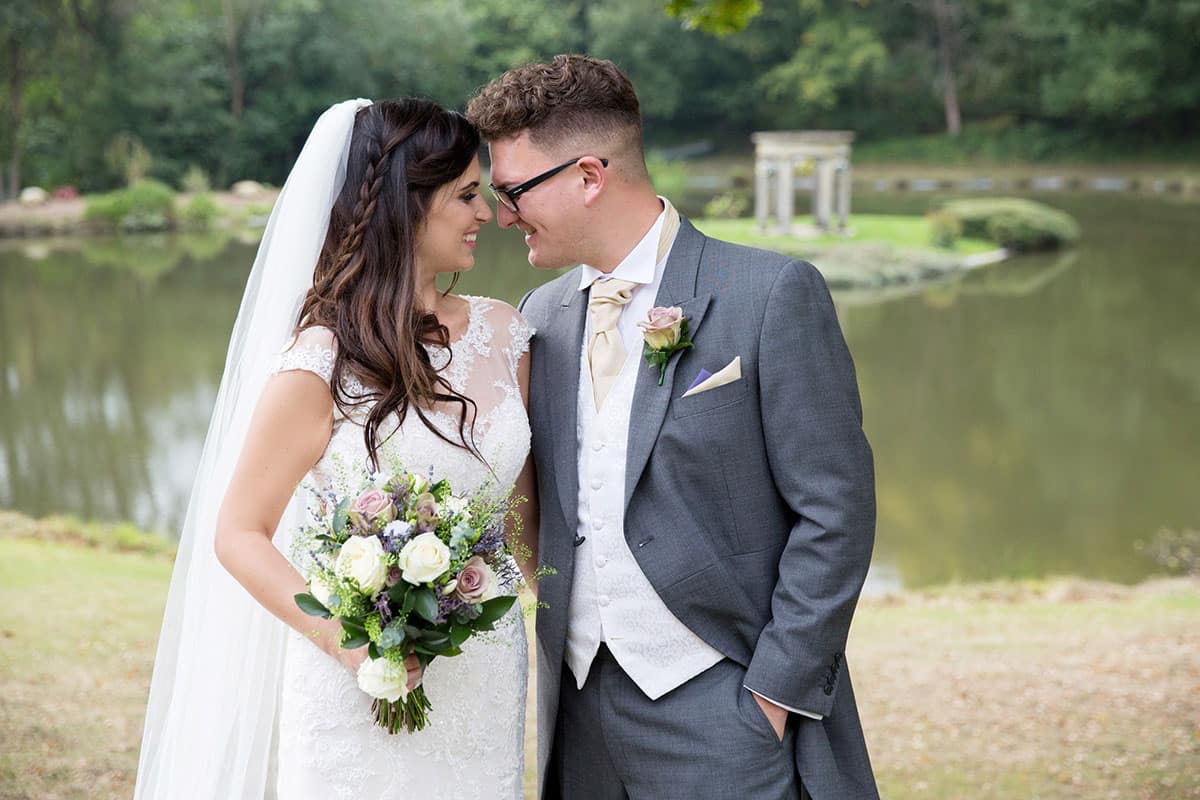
(1009, 222)
(232, 87)
(147, 205)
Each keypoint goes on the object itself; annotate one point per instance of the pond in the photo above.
(1038, 417)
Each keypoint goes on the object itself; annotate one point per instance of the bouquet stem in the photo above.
(412, 713)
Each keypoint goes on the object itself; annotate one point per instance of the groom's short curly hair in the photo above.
(571, 99)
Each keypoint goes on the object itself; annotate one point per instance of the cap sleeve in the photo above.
(312, 350)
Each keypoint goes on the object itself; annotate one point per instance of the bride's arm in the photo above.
(288, 433)
(526, 486)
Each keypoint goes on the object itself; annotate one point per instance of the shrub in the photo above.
(143, 206)
(195, 180)
(201, 211)
(1014, 223)
(727, 205)
(670, 178)
(945, 228)
(127, 155)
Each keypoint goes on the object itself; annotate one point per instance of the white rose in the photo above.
(321, 590)
(362, 560)
(455, 505)
(383, 680)
(424, 558)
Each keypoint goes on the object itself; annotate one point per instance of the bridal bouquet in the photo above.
(407, 567)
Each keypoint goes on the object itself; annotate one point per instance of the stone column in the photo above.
(785, 177)
(843, 200)
(762, 191)
(824, 189)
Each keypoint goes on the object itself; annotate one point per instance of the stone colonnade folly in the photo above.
(776, 156)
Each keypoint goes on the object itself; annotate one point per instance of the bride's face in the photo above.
(446, 242)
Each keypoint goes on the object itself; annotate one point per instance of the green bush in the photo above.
(945, 228)
(727, 205)
(195, 180)
(144, 206)
(670, 178)
(1010, 222)
(201, 212)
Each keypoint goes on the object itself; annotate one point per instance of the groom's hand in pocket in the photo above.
(776, 715)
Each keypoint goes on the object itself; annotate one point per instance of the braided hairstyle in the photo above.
(365, 287)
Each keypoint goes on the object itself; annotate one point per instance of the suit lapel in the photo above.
(650, 401)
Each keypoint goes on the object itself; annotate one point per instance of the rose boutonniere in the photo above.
(665, 334)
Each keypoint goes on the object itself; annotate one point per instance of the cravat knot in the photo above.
(606, 351)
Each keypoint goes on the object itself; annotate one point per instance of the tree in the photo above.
(720, 17)
(28, 35)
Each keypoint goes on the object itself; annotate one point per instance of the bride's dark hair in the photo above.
(365, 287)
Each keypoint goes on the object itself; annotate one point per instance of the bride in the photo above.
(344, 353)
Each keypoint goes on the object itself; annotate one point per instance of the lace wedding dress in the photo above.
(328, 743)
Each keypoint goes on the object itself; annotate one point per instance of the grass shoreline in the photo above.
(1062, 688)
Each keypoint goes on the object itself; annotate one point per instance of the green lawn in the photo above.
(905, 232)
(1056, 690)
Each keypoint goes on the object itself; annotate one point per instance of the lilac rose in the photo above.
(476, 581)
(372, 508)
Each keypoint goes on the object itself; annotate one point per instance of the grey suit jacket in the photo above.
(749, 507)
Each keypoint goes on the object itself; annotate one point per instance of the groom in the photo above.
(710, 516)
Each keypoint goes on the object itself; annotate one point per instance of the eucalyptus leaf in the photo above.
(312, 606)
(425, 604)
(494, 609)
(341, 514)
(459, 634)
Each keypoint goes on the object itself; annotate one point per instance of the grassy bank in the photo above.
(879, 250)
(1061, 689)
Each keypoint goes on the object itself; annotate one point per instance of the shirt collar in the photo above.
(637, 267)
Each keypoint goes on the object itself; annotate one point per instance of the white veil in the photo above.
(210, 721)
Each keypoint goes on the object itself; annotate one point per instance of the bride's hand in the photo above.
(415, 671)
(352, 659)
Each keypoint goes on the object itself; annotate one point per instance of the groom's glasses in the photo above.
(508, 197)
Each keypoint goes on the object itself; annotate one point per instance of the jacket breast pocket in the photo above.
(720, 397)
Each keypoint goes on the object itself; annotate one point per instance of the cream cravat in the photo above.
(606, 351)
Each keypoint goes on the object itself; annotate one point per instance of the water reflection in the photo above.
(1028, 419)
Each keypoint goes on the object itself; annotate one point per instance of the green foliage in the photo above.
(727, 205)
(195, 180)
(110, 536)
(1014, 223)
(127, 155)
(144, 206)
(200, 212)
(670, 178)
(721, 17)
(230, 90)
(944, 229)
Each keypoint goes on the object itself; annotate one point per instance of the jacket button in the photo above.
(828, 689)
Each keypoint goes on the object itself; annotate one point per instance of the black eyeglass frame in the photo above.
(508, 197)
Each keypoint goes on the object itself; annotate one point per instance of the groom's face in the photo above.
(550, 213)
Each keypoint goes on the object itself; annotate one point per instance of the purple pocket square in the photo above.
(701, 378)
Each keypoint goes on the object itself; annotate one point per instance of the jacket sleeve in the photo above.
(822, 467)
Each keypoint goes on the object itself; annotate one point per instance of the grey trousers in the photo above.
(706, 739)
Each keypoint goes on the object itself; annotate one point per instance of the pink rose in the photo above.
(663, 327)
(476, 581)
(372, 507)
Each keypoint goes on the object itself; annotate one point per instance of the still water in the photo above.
(1037, 417)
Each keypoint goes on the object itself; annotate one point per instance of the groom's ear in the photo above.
(594, 178)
